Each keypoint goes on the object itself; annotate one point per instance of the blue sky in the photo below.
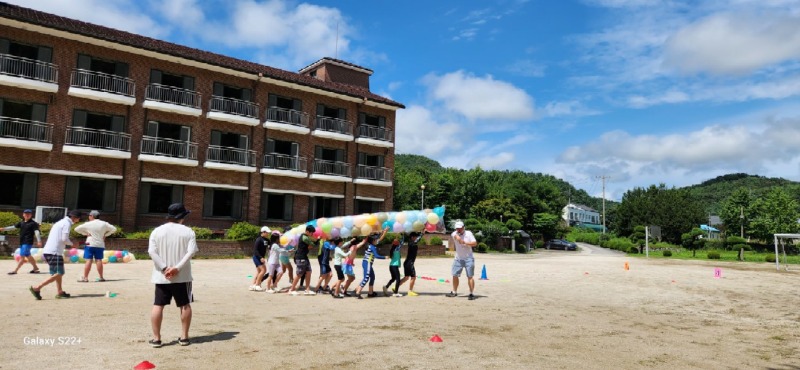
(641, 91)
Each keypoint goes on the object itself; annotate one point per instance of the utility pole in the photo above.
(741, 221)
(603, 177)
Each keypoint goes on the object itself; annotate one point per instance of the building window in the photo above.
(226, 91)
(18, 189)
(370, 160)
(366, 206)
(331, 112)
(329, 154)
(370, 120)
(223, 203)
(24, 111)
(83, 193)
(168, 79)
(277, 206)
(283, 102)
(323, 207)
(88, 63)
(98, 121)
(156, 198)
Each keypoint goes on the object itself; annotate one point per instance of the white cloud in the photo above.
(572, 108)
(123, 15)
(526, 68)
(497, 161)
(480, 98)
(419, 132)
(729, 43)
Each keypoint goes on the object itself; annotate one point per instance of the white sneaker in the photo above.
(397, 295)
(252, 288)
(258, 288)
(270, 291)
(309, 292)
(294, 293)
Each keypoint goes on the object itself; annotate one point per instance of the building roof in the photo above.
(338, 62)
(582, 207)
(53, 21)
(708, 228)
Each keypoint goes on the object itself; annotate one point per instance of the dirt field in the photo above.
(549, 310)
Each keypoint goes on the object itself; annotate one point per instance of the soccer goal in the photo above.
(782, 238)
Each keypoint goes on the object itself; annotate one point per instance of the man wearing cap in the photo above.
(28, 228)
(54, 253)
(171, 248)
(96, 231)
(464, 241)
(259, 259)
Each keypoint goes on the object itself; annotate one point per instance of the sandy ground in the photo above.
(549, 310)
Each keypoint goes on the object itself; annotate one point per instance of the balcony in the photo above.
(231, 159)
(26, 134)
(287, 120)
(333, 128)
(102, 86)
(284, 165)
(97, 143)
(375, 136)
(331, 171)
(172, 99)
(168, 151)
(28, 73)
(233, 110)
(369, 175)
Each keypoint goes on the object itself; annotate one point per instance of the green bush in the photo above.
(202, 233)
(734, 240)
(538, 244)
(9, 219)
(481, 248)
(139, 235)
(667, 253)
(238, 231)
(633, 250)
(746, 247)
(435, 241)
(713, 255)
(714, 244)
(769, 258)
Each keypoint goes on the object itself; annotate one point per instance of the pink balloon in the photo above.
(17, 257)
(73, 251)
(334, 232)
(430, 227)
(118, 254)
(318, 234)
(398, 227)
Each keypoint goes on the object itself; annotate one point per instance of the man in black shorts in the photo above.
(408, 265)
(302, 263)
(171, 248)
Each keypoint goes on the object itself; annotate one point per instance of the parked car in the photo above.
(561, 244)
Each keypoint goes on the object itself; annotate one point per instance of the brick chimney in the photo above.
(335, 70)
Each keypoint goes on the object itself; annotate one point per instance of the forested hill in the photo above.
(711, 193)
(461, 190)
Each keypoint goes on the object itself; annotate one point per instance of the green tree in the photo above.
(674, 210)
(693, 240)
(546, 224)
(733, 208)
(497, 209)
(776, 212)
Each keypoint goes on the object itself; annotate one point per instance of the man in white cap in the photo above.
(96, 231)
(464, 242)
(259, 259)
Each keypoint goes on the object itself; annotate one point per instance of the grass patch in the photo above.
(749, 256)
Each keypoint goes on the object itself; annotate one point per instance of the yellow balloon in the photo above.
(338, 222)
(433, 218)
(359, 221)
(401, 217)
(366, 229)
(355, 231)
(372, 220)
(284, 240)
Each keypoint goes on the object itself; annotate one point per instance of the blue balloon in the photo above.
(74, 259)
(386, 224)
(439, 211)
(111, 259)
(312, 223)
(411, 216)
(348, 222)
(124, 253)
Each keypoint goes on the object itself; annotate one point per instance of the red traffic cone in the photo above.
(436, 338)
(144, 365)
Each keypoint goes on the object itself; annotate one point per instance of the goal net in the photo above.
(780, 248)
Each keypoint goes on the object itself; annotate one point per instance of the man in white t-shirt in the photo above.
(171, 248)
(464, 241)
(96, 231)
(53, 253)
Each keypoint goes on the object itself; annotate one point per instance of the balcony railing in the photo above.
(22, 129)
(173, 95)
(169, 147)
(336, 125)
(290, 116)
(236, 156)
(284, 162)
(28, 68)
(233, 106)
(374, 132)
(323, 167)
(102, 82)
(374, 173)
(101, 139)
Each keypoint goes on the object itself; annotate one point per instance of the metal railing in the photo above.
(28, 68)
(284, 162)
(374, 132)
(173, 95)
(23, 129)
(374, 173)
(102, 82)
(323, 167)
(290, 116)
(102, 139)
(233, 106)
(336, 125)
(223, 154)
(169, 147)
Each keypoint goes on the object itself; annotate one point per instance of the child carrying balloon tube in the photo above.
(394, 269)
(338, 255)
(369, 257)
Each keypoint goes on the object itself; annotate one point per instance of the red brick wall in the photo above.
(61, 106)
